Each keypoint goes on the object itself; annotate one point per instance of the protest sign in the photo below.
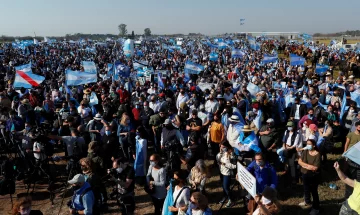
(247, 180)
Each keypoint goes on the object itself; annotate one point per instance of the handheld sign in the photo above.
(247, 180)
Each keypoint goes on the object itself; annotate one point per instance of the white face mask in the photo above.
(119, 170)
(265, 201)
(26, 212)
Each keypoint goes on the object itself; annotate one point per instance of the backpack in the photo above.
(87, 128)
(48, 149)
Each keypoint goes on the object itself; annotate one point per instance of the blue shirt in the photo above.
(88, 200)
(264, 177)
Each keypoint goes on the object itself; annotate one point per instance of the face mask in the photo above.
(290, 128)
(107, 133)
(224, 149)
(351, 111)
(76, 187)
(27, 128)
(146, 107)
(153, 163)
(119, 170)
(265, 201)
(308, 147)
(311, 115)
(26, 212)
(128, 121)
(137, 106)
(137, 133)
(175, 182)
(260, 163)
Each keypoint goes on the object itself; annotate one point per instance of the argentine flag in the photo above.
(237, 53)
(193, 68)
(89, 66)
(251, 142)
(321, 69)
(160, 81)
(296, 60)
(343, 107)
(270, 58)
(213, 56)
(75, 78)
(121, 70)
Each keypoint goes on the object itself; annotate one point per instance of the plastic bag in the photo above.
(169, 201)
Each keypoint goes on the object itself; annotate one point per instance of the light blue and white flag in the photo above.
(120, 70)
(343, 107)
(355, 96)
(321, 69)
(296, 60)
(75, 78)
(89, 66)
(193, 68)
(253, 89)
(237, 53)
(353, 153)
(257, 120)
(128, 48)
(213, 56)
(270, 58)
(251, 142)
(160, 81)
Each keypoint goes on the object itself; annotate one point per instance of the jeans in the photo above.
(225, 181)
(311, 189)
(158, 205)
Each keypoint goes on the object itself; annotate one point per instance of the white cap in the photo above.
(79, 178)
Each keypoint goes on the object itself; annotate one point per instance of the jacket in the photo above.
(302, 110)
(264, 177)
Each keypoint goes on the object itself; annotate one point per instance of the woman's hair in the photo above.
(201, 166)
(21, 202)
(142, 132)
(87, 162)
(124, 116)
(200, 200)
(181, 174)
(157, 158)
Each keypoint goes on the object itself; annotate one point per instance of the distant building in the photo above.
(275, 35)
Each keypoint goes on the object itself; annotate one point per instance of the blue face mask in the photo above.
(107, 133)
(309, 147)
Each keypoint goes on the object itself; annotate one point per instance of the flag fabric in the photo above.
(128, 48)
(296, 60)
(253, 89)
(75, 78)
(343, 107)
(251, 142)
(120, 70)
(169, 200)
(24, 68)
(355, 96)
(93, 99)
(89, 67)
(213, 56)
(353, 153)
(110, 70)
(270, 58)
(27, 79)
(321, 69)
(160, 81)
(193, 68)
(67, 90)
(237, 53)
(257, 120)
(221, 45)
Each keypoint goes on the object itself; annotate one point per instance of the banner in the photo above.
(353, 153)
(27, 80)
(296, 60)
(246, 179)
(237, 53)
(89, 66)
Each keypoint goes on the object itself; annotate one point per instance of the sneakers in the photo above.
(222, 200)
(304, 204)
(314, 212)
(229, 204)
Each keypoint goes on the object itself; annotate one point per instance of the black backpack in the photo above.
(48, 149)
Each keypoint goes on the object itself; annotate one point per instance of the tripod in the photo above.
(39, 171)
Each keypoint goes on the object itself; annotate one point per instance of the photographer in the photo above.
(83, 199)
(123, 174)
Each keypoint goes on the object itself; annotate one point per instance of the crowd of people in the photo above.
(158, 131)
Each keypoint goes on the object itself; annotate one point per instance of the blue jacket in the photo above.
(264, 177)
(206, 212)
(88, 200)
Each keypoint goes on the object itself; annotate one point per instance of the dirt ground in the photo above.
(288, 196)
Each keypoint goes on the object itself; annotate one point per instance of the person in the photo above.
(83, 200)
(181, 194)
(310, 168)
(216, 134)
(353, 171)
(123, 174)
(198, 176)
(156, 177)
(194, 125)
(23, 207)
(297, 111)
(268, 137)
(140, 155)
(198, 205)
(264, 174)
(227, 163)
(351, 205)
(268, 203)
(124, 129)
(310, 116)
(292, 143)
(156, 122)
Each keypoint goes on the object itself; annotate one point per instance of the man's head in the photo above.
(194, 114)
(311, 111)
(357, 125)
(259, 159)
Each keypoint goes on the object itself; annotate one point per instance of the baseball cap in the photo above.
(79, 178)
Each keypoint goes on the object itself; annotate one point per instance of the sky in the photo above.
(211, 17)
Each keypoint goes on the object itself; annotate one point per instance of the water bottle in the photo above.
(333, 186)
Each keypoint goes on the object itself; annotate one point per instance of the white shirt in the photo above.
(180, 99)
(151, 91)
(297, 112)
(297, 141)
(41, 155)
(184, 197)
(232, 135)
(211, 106)
(155, 106)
